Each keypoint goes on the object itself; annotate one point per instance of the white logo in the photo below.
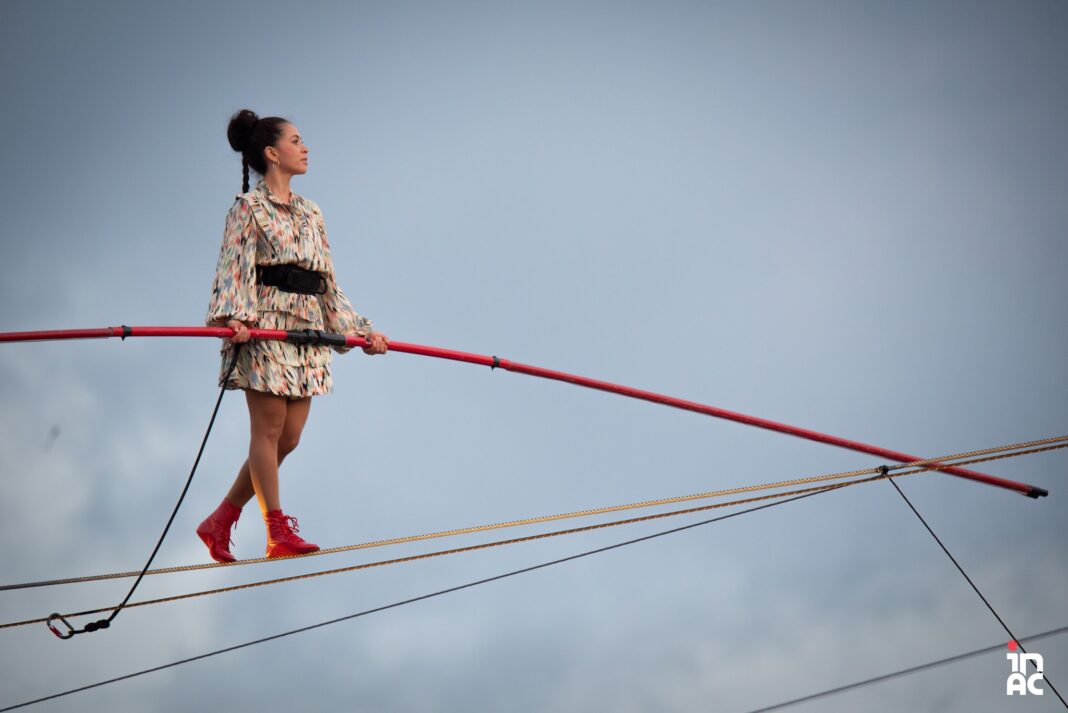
(1019, 681)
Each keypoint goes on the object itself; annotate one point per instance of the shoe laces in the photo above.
(288, 523)
(230, 537)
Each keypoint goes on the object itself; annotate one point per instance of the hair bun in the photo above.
(240, 129)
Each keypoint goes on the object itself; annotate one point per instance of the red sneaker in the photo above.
(282, 540)
(215, 531)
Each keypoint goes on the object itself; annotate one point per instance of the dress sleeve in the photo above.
(233, 294)
(339, 316)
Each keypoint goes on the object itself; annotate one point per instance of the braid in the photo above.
(250, 135)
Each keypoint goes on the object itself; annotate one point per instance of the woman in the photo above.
(274, 272)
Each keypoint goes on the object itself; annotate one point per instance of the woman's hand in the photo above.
(240, 331)
(377, 343)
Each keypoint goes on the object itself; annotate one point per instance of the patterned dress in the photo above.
(263, 230)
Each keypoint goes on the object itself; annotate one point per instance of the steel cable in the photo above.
(906, 671)
(412, 600)
(972, 584)
(941, 462)
(881, 474)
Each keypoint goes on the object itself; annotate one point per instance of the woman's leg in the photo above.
(275, 424)
(296, 416)
(241, 491)
(276, 430)
(267, 419)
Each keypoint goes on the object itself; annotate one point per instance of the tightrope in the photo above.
(404, 602)
(882, 473)
(460, 550)
(940, 461)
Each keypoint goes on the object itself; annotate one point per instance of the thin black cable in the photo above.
(903, 672)
(960, 569)
(106, 623)
(394, 605)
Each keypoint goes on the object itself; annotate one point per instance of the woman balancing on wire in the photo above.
(274, 272)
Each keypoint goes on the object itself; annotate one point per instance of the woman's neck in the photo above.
(278, 183)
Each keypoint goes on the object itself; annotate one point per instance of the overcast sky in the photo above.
(846, 216)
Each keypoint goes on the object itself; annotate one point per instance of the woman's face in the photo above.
(289, 152)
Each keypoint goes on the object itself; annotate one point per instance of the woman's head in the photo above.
(270, 140)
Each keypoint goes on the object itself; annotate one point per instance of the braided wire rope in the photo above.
(404, 602)
(881, 473)
(458, 550)
(461, 587)
(935, 463)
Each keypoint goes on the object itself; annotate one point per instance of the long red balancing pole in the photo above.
(496, 362)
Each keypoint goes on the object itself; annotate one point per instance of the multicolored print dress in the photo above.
(263, 230)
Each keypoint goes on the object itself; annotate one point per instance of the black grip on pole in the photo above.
(315, 336)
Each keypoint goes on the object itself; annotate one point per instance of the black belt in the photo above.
(291, 278)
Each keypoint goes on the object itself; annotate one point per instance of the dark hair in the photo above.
(250, 135)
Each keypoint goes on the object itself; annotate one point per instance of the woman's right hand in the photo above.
(240, 331)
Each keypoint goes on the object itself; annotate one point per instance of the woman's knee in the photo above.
(267, 417)
(296, 416)
(287, 443)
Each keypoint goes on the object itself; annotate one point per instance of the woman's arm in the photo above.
(339, 316)
(233, 292)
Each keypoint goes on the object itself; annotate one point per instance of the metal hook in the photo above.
(70, 629)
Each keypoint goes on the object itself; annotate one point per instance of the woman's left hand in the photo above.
(377, 343)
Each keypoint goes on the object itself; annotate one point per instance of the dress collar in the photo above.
(294, 199)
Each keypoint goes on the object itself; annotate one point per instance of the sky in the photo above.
(846, 216)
